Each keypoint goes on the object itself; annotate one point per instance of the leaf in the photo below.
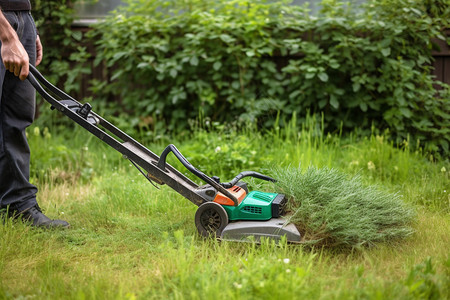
(416, 11)
(116, 75)
(295, 94)
(194, 61)
(406, 112)
(226, 38)
(142, 65)
(322, 103)
(410, 85)
(339, 92)
(217, 65)
(323, 77)
(119, 55)
(363, 106)
(386, 52)
(334, 102)
(77, 35)
(148, 58)
(334, 64)
(250, 53)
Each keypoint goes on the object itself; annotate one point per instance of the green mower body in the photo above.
(256, 206)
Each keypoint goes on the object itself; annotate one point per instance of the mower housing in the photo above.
(257, 206)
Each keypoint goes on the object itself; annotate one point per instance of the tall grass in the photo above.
(129, 240)
(333, 210)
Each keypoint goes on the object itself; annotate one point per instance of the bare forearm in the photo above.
(13, 54)
(7, 33)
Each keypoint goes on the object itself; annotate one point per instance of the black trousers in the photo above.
(17, 109)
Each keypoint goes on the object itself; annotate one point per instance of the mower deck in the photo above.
(249, 231)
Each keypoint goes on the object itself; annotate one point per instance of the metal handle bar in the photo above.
(201, 175)
(35, 78)
(241, 175)
(193, 170)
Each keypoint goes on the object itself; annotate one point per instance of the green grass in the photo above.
(129, 240)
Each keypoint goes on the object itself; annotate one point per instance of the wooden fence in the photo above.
(441, 63)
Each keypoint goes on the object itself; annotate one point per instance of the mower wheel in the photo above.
(210, 219)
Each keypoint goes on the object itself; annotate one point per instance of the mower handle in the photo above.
(219, 187)
(204, 177)
(241, 175)
(34, 77)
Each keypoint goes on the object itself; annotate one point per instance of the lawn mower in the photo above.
(226, 210)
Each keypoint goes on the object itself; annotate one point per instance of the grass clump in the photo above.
(333, 210)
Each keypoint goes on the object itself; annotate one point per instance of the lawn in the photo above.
(129, 240)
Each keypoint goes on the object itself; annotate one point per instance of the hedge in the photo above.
(361, 67)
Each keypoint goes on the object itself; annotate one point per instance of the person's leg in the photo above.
(17, 109)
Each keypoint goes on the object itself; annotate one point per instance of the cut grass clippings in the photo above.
(332, 210)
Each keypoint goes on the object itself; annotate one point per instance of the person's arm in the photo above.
(13, 54)
(39, 51)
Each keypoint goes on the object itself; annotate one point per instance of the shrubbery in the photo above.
(246, 60)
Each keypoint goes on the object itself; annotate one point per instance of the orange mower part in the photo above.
(236, 191)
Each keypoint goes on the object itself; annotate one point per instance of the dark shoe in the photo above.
(35, 216)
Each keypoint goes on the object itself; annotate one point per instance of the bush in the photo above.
(332, 210)
(247, 60)
(238, 60)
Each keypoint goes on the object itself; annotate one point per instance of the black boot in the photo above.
(35, 216)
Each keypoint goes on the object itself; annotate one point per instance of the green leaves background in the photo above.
(366, 67)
